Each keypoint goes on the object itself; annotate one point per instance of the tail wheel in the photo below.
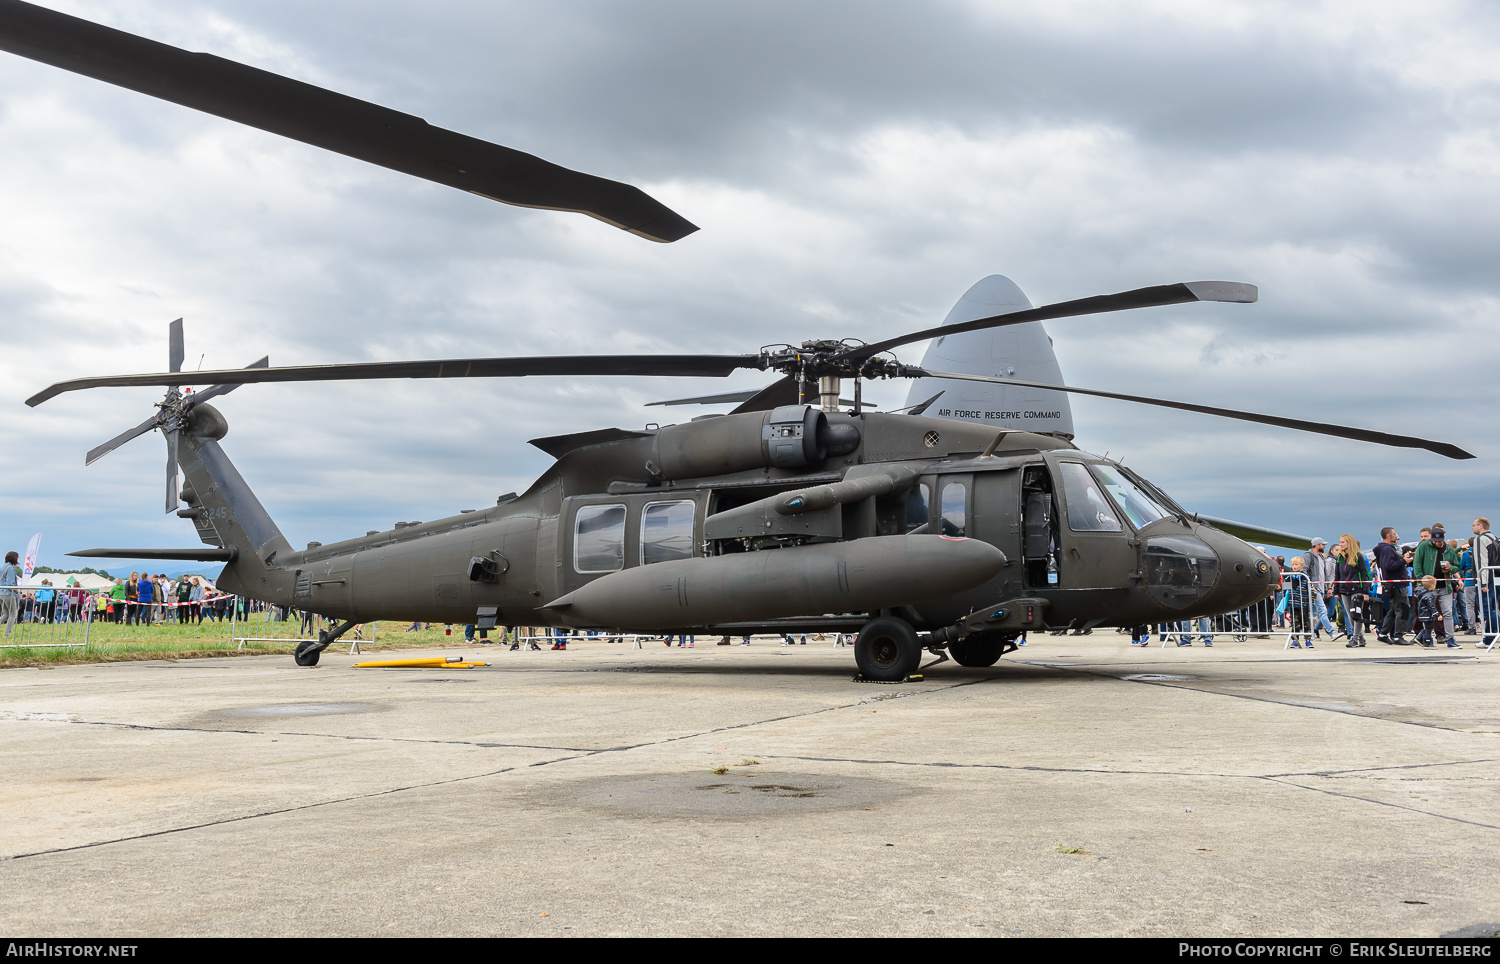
(887, 650)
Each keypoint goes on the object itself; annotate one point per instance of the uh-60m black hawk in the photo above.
(794, 511)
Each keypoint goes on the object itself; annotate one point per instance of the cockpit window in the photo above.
(1139, 508)
(1088, 509)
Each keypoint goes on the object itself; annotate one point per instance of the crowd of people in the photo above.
(142, 599)
(1425, 592)
(1430, 590)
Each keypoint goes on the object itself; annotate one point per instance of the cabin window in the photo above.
(917, 513)
(599, 538)
(1088, 509)
(1139, 508)
(666, 532)
(955, 507)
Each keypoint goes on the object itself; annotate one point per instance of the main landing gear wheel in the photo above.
(887, 650)
(978, 650)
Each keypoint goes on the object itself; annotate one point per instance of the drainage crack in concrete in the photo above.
(1011, 766)
(1394, 766)
(1381, 803)
(419, 786)
(1255, 699)
(321, 736)
(254, 816)
(774, 719)
(1149, 773)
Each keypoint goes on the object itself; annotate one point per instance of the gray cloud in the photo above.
(855, 169)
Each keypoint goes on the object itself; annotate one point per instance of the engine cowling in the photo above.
(789, 437)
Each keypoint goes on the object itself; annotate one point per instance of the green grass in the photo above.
(110, 642)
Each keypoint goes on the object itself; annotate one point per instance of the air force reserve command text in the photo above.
(1334, 949)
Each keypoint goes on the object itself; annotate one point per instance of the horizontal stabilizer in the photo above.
(1271, 537)
(735, 397)
(200, 554)
(559, 445)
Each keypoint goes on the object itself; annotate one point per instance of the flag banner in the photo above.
(32, 548)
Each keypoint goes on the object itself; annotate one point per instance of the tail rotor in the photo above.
(171, 415)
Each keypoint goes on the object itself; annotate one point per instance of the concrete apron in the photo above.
(1079, 787)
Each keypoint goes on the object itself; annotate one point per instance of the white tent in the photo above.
(59, 580)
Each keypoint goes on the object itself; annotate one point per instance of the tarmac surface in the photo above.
(1079, 787)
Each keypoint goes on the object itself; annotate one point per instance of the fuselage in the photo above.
(1079, 538)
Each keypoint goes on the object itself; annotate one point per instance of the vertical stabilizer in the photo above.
(226, 513)
(1017, 351)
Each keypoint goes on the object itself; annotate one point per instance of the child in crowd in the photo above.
(1298, 604)
(1430, 615)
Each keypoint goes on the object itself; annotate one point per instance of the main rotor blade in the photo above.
(703, 366)
(214, 391)
(1319, 428)
(174, 346)
(1250, 533)
(724, 399)
(172, 496)
(99, 451)
(1157, 295)
(328, 120)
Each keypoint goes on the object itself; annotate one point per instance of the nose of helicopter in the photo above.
(1246, 575)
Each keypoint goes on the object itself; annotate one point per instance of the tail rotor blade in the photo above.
(175, 351)
(172, 495)
(99, 451)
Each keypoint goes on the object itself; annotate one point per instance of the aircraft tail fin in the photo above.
(227, 513)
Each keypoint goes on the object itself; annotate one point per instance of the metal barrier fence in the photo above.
(1479, 614)
(253, 621)
(60, 621)
(1263, 620)
(1487, 606)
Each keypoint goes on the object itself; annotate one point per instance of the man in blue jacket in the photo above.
(143, 595)
(1393, 586)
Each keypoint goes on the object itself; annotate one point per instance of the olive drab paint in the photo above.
(817, 541)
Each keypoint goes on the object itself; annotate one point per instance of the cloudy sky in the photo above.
(854, 168)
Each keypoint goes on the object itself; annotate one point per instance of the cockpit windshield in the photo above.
(1088, 509)
(1140, 508)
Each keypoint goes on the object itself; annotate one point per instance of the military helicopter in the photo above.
(781, 515)
(794, 511)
